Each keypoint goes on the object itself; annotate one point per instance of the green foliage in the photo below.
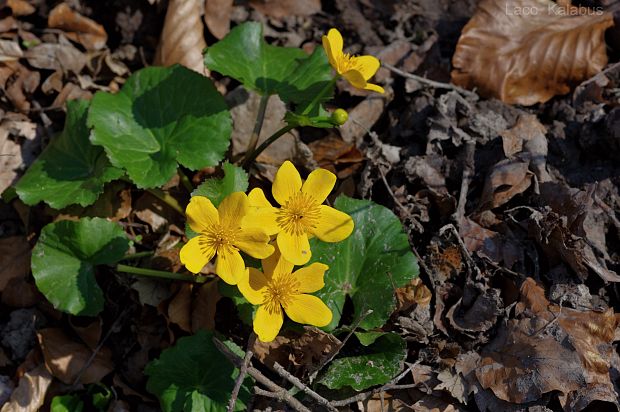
(368, 265)
(67, 403)
(70, 170)
(286, 71)
(161, 117)
(64, 260)
(235, 180)
(194, 376)
(383, 362)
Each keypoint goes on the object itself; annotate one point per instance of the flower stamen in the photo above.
(280, 291)
(299, 215)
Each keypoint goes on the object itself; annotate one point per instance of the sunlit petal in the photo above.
(355, 78)
(257, 198)
(252, 286)
(308, 310)
(311, 277)
(254, 241)
(319, 184)
(276, 263)
(267, 324)
(201, 214)
(295, 248)
(229, 266)
(195, 254)
(286, 183)
(264, 218)
(366, 65)
(233, 208)
(333, 44)
(333, 225)
(374, 88)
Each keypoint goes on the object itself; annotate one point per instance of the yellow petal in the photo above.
(333, 44)
(264, 218)
(254, 241)
(233, 208)
(286, 183)
(308, 310)
(195, 254)
(311, 277)
(294, 248)
(319, 184)
(252, 286)
(366, 65)
(201, 214)
(276, 263)
(334, 225)
(374, 88)
(266, 324)
(355, 78)
(229, 266)
(257, 198)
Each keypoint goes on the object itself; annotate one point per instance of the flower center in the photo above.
(280, 291)
(221, 238)
(299, 215)
(347, 63)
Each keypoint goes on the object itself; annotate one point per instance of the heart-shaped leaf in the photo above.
(287, 71)
(70, 170)
(64, 260)
(161, 117)
(194, 376)
(381, 364)
(368, 265)
(235, 180)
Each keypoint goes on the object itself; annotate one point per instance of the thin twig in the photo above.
(431, 83)
(243, 371)
(365, 395)
(258, 125)
(389, 189)
(468, 174)
(462, 247)
(259, 377)
(300, 385)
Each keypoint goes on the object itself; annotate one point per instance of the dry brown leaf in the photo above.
(21, 7)
(182, 39)
(508, 178)
(62, 56)
(78, 28)
(217, 16)
(362, 118)
(337, 156)
(204, 306)
(19, 82)
(15, 263)
(528, 59)
(180, 308)
(549, 348)
(279, 9)
(30, 392)
(19, 293)
(89, 333)
(528, 135)
(415, 293)
(10, 51)
(66, 359)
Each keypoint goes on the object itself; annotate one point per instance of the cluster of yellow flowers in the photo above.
(278, 236)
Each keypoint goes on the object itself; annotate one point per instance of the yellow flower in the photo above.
(302, 214)
(356, 69)
(223, 232)
(278, 288)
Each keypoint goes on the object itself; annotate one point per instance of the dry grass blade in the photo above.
(527, 51)
(182, 38)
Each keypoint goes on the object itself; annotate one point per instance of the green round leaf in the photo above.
(235, 180)
(194, 376)
(368, 265)
(64, 259)
(383, 362)
(67, 403)
(287, 71)
(161, 117)
(70, 170)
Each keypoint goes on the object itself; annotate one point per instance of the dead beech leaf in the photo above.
(204, 306)
(78, 28)
(180, 308)
(337, 156)
(15, 263)
(414, 293)
(508, 178)
(528, 135)
(217, 16)
(182, 39)
(280, 9)
(66, 358)
(20, 7)
(30, 392)
(10, 51)
(549, 348)
(62, 56)
(528, 59)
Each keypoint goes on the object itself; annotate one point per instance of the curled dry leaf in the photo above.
(78, 28)
(20, 7)
(67, 360)
(508, 178)
(182, 39)
(217, 16)
(550, 348)
(528, 59)
(30, 392)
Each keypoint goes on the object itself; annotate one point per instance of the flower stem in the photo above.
(187, 184)
(167, 199)
(321, 95)
(254, 154)
(139, 255)
(160, 274)
(258, 125)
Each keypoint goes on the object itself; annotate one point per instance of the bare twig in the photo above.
(431, 83)
(259, 377)
(365, 395)
(300, 385)
(468, 174)
(242, 373)
(389, 189)
(470, 261)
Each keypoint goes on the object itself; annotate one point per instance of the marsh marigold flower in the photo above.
(301, 214)
(223, 232)
(279, 290)
(356, 69)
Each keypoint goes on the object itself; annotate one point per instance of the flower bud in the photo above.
(339, 117)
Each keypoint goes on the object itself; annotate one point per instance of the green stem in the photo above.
(321, 95)
(185, 181)
(258, 125)
(167, 199)
(254, 154)
(139, 255)
(160, 274)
